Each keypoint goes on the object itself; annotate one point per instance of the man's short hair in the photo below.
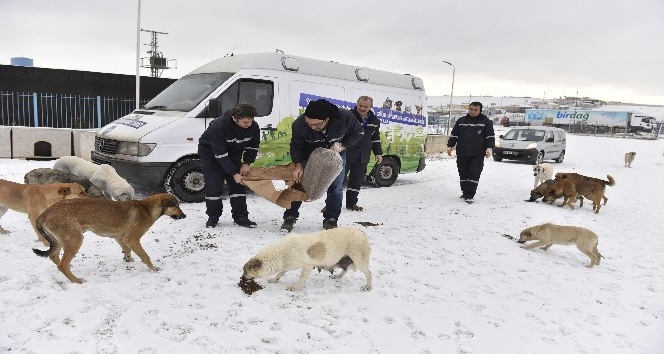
(244, 110)
(477, 104)
(365, 98)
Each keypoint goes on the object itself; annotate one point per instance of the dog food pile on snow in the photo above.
(367, 223)
(249, 286)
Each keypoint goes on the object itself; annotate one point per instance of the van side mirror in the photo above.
(214, 108)
(500, 136)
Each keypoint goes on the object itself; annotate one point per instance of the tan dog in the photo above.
(575, 177)
(63, 225)
(629, 157)
(323, 249)
(542, 172)
(550, 234)
(33, 199)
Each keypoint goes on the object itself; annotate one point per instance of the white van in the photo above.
(156, 146)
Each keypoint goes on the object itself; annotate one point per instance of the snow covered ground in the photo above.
(446, 280)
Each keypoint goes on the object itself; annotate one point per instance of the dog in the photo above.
(103, 176)
(33, 199)
(542, 172)
(63, 225)
(50, 176)
(112, 184)
(323, 250)
(549, 234)
(572, 191)
(575, 177)
(629, 157)
(541, 190)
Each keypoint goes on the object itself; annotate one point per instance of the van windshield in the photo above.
(186, 93)
(524, 135)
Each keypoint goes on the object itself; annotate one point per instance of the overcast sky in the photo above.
(611, 50)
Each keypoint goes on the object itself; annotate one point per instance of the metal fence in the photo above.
(34, 109)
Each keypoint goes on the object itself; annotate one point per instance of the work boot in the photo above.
(245, 222)
(288, 224)
(469, 200)
(354, 207)
(212, 222)
(329, 223)
(323, 210)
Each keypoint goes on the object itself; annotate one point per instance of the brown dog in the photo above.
(575, 177)
(33, 199)
(572, 191)
(63, 225)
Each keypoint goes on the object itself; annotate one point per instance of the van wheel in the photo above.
(561, 157)
(386, 173)
(539, 159)
(185, 181)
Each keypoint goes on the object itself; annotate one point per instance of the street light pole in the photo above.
(449, 119)
(138, 56)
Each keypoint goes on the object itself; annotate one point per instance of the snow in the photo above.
(446, 280)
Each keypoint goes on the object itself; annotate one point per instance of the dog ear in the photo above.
(64, 191)
(254, 264)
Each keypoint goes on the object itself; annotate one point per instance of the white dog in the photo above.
(103, 176)
(629, 158)
(542, 172)
(323, 249)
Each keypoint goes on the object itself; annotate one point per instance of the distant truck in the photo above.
(631, 122)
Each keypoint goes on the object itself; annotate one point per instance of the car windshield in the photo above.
(525, 135)
(186, 93)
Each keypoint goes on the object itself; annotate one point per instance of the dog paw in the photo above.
(272, 280)
(366, 288)
(293, 288)
(128, 259)
(5, 232)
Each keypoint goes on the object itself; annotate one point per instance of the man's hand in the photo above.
(244, 169)
(238, 178)
(379, 159)
(337, 147)
(297, 173)
(488, 153)
(449, 151)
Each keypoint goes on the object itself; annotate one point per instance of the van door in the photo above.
(550, 150)
(260, 93)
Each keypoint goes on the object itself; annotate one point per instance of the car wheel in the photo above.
(385, 173)
(539, 159)
(561, 157)
(185, 181)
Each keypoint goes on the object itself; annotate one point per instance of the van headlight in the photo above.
(135, 149)
(531, 146)
(497, 143)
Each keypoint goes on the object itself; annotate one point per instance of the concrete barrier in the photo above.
(5, 142)
(84, 143)
(31, 142)
(436, 144)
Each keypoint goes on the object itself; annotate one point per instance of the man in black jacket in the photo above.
(474, 139)
(226, 149)
(357, 156)
(321, 125)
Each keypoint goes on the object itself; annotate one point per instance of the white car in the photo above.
(531, 144)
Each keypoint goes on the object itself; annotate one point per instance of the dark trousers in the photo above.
(335, 196)
(470, 168)
(357, 173)
(214, 176)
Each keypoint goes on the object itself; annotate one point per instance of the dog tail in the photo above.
(52, 242)
(612, 182)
